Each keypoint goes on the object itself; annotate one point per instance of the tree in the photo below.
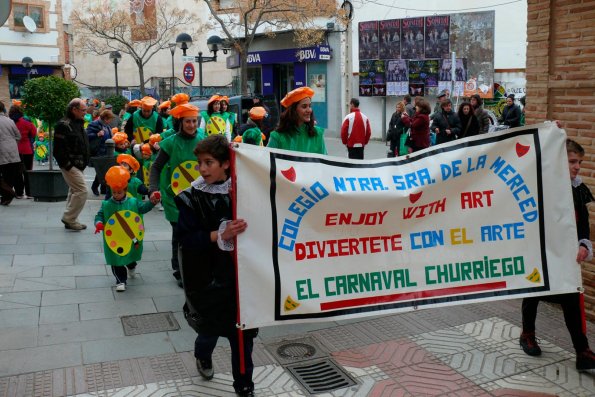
(99, 31)
(242, 20)
(46, 98)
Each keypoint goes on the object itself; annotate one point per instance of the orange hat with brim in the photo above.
(120, 137)
(180, 99)
(164, 105)
(146, 149)
(115, 131)
(154, 138)
(128, 159)
(16, 102)
(257, 113)
(184, 110)
(224, 98)
(148, 102)
(214, 98)
(135, 103)
(297, 95)
(117, 177)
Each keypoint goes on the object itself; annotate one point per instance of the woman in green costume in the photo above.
(297, 128)
(176, 157)
(213, 121)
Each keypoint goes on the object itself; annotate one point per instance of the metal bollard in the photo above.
(110, 147)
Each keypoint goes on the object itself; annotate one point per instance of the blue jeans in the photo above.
(203, 350)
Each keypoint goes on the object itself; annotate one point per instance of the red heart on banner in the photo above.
(413, 197)
(289, 174)
(522, 150)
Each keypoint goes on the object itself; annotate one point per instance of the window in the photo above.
(35, 11)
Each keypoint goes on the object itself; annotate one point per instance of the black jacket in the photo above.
(446, 121)
(207, 272)
(469, 125)
(71, 145)
(511, 116)
(395, 129)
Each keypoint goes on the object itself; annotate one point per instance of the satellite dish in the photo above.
(29, 23)
(5, 7)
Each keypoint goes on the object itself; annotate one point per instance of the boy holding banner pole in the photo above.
(572, 304)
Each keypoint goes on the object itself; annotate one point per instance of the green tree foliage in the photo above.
(117, 101)
(46, 98)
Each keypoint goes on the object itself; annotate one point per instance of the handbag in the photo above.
(405, 143)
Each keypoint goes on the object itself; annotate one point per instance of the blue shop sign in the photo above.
(308, 54)
(35, 70)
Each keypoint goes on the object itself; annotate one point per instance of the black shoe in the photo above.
(180, 283)
(205, 368)
(95, 191)
(529, 344)
(585, 360)
(246, 391)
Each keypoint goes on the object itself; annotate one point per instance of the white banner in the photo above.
(484, 218)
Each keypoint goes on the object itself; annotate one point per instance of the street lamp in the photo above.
(115, 57)
(27, 63)
(172, 49)
(215, 43)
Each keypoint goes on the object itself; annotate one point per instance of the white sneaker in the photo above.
(121, 287)
(132, 273)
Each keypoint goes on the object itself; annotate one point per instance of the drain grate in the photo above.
(320, 376)
(290, 352)
(149, 323)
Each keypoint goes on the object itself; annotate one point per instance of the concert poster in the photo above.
(437, 36)
(390, 39)
(368, 40)
(412, 38)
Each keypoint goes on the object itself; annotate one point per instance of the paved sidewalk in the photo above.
(61, 331)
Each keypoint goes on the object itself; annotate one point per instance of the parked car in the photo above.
(241, 105)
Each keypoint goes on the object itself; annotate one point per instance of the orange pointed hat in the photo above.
(297, 95)
(214, 98)
(117, 177)
(128, 159)
(145, 148)
(148, 102)
(135, 103)
(164, 105)
(120, 137)
(180, 99)
(154, 138)
(17, 102)
(257, 113)
(184, 110)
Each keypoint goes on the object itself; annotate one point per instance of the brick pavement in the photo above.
(61, 333)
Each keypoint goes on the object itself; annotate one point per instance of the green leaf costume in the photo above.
(298, 140)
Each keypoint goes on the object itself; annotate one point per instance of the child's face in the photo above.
(125, 165)
(574, 164)
(118, 194)
(122, 145)
(146, 156)
(211, 169)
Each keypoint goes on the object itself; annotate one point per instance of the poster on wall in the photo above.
(368, 40)
(460, 69)
(437, 36)
(366, 78)
(379, 79)
(412, 38)
(424, 72)
(472, 37)
(416, 89)
(390, 39)
(397, 77)
(317, 82)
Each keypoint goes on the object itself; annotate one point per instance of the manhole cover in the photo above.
(320, 376)
(292, 351)
(149, 323)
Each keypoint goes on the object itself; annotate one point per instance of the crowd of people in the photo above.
(178, 156)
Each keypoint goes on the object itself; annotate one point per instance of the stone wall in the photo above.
(561, 86)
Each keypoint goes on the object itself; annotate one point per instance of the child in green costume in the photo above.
(120, 219)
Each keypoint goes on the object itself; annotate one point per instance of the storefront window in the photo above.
(255, 80)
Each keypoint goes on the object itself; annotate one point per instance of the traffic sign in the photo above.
(187, 58)
(189, 73)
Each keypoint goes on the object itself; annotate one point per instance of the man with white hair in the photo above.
(71, 151)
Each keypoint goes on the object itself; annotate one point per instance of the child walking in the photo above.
(573, 310)
(120, 219)
(206, 232)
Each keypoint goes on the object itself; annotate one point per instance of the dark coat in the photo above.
(446, 121)
(97, 143)
(469, 125)
(71, 145)
(396, 127)
(207, 272)
(511, 116)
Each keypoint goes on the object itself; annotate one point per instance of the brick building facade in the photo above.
(561, 85)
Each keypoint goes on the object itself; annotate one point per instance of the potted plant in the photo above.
(46, 98)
